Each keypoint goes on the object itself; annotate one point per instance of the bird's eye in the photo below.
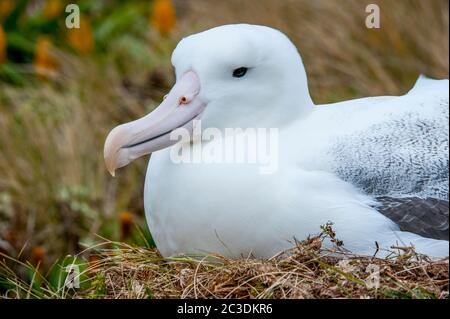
(240, 72)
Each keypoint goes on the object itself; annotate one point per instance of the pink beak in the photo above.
(151, 133)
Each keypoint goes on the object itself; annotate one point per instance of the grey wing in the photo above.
(427, 217)
(403, 159)
(405, 156)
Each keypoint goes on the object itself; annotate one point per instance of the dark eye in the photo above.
(240, 72)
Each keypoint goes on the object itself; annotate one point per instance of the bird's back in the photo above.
(395, 149)
(393, 146)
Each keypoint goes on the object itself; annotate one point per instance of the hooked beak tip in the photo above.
(111, 169)
(110, 164)
(112, 146)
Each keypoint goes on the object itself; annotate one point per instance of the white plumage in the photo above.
(391, 145)
(335, 160)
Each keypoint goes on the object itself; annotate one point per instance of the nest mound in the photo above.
(306, 271)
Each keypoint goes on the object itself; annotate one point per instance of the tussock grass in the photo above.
(305, 271)
(54, 189)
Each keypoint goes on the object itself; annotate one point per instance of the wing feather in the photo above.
(427, 217)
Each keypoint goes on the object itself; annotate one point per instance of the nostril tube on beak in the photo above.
(184, 100)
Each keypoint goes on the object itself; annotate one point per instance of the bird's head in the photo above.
(229, 76)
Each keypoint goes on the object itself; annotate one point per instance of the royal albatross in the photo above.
(376, 167)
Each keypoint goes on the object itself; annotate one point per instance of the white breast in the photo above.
(235, 211)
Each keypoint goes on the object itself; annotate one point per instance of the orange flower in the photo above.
(37, 255)
(45, 62)
(53, 8)
(6, 6)
(126, 221)
(82, 39)
(163, 16)
(2, 45)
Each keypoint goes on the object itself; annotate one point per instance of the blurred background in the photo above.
(62, 90)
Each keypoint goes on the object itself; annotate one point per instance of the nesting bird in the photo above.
(376, 167)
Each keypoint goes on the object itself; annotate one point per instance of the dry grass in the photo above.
(52, 175)
(306, 271)
(54, 189)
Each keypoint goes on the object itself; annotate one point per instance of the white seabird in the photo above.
(376, 167)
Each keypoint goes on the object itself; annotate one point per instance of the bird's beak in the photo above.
(151, 133)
